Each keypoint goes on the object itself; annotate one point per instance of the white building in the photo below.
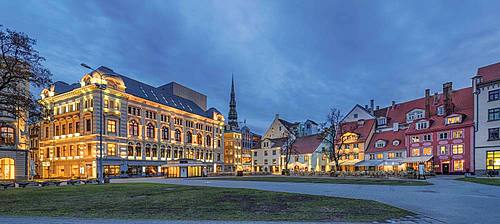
(486, 86)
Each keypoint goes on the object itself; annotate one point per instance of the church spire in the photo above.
(233, 115)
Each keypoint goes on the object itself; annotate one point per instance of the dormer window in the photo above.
(422, 125)
(381, 121)
(440, 111)
(414, 115)
(456, 119)
(395, 142)
(380, 144)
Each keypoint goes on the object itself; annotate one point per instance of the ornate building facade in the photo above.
(146, 130)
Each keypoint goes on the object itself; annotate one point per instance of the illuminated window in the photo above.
(458, 134)
(138, 150)
(443, 150)
(199, 139)
(111, 150)
(458, 149)
(7, 169)
(111, 127)
(458, 165)
(6, 136)
(454, 120)
(391, 155)
(133, 128)
(380, 156)
(106, 103)
(415, 152)
(427, 151)
(414, 139)
(493, 160)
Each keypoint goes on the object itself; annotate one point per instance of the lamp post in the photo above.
(101, 86)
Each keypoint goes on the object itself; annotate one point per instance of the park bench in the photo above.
(23, 184)
(6, 185)
(72, 182)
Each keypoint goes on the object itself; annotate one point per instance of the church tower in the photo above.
(233, 115)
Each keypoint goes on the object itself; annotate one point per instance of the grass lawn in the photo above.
(160, 201)
(333, 180)
(481, 180)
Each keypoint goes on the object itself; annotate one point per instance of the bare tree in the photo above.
(332, 134)
(287, 149)
(20, 67)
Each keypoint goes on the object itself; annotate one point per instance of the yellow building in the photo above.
(146, 130)
(232, 151)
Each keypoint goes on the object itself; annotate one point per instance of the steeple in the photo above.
(233, 115)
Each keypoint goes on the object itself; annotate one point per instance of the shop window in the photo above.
(7, 167)
(458, 165)
(427, 151)
(415, 152)
(493, 160)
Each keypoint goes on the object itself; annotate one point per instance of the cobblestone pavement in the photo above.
(446, 201)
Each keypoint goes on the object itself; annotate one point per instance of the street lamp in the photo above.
(101, 86)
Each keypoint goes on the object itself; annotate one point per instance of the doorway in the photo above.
(184, 172)
(446, 168)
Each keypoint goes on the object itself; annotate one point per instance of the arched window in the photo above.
(176, 153)
(189, 137)
(208, 141)
(6, 135)
(150, 131)
(199, 139)
(164, 133)
(155, 151)
(148, 150)
(133, 128)
(162, 151)
(130, 149)
(169, 152)
(138, 150)
(177, 135)
(7, 169)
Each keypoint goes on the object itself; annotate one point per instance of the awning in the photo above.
(349, 162)
(369, 163)
(419, 159)
(392, 162)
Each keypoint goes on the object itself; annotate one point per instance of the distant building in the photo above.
(147, 130)
(249, 140)
(486, 89)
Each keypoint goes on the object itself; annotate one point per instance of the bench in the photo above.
(6, 185)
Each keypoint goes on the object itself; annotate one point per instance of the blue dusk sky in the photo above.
(295, 58)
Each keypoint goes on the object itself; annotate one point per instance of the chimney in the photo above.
(377, 107)
(436, 98)
(427, 103)
(371, 105)
(448, 101)
(393, 104)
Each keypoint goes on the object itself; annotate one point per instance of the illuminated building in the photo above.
(232, 137)
(164, 130)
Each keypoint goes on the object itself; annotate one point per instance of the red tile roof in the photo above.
(389, 137)
(306, 144)
(489, 73)
(362, 128)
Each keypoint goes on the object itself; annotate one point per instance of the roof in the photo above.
(489, 73)
(145, 91)
(388, 137)
(287, 124)
(362, 128)
(307, 144)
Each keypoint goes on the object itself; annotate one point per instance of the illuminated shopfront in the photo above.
(7, 169)
(185, 169)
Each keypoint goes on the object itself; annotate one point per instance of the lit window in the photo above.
(380, 156)
(454, 120)
(443, 150)
(458, 134)
(7, 169)
(111, 127)
(111, 150)
(458, 165)
(415, 152)
(458, 149)
(391, 155)
(427, 151)
(493, 160)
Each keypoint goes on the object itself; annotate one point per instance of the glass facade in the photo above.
(493, 160)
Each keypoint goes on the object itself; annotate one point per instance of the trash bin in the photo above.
(239, 173)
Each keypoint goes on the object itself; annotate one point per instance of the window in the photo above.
(427, 151)
(458, 165)
(133, 128)
(380, 156)
(458, 149)
(494, 95)
(274, 161)
(443, 135)
(70, 128)
(111, 127)
(130, 149)
(7, 169)
(415, 152)
(380, 144)
(440, 110)
(355, 145)
(414, 139)
(493, 134)
(63, 128)
(427, 138)
(443, 150)
(381, 121)
(148, 150)
(274, 152)
(88, 125)
(189, 137)
(208, 140)
(177, 135)
(265, 152)
(372, 156)
(355, 115)
(494, 114)
(150, 131)
(164, 133)
(422, 125)
(454, 120)
(391, 155)
(414, 115)
(199, 139)
(255, 153)
(493, 160)
(6, 136)
(458, 134)
(356, 155)
(111, 150)
(395, 142)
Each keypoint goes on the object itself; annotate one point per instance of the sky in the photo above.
(297, 59)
